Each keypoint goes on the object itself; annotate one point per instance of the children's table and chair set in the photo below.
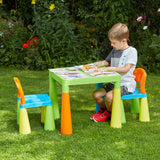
(50, 108)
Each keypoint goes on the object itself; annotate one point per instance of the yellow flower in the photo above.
(33, 2)
(91, 46)
(52, 6)
(1, 1)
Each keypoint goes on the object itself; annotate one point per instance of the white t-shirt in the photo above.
(118, 58)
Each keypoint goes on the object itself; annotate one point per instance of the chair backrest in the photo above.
(140, 76)
(20, 90)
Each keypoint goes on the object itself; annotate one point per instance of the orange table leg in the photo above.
(66, 122)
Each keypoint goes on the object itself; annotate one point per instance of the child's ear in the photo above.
(124, 40)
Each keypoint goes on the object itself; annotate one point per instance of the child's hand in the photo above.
(103, 69)
(97, 64)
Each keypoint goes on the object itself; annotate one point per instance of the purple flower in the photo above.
(10, 24)
(149, 23)
(135, 22)
(142, 15)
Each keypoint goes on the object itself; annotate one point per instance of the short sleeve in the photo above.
(108, 58)
(131, 57)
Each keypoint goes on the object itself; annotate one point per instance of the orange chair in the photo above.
(142, 109)
(31, 101)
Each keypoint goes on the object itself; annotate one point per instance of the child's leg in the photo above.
(109, 100)
(98, 97)
(103, 114)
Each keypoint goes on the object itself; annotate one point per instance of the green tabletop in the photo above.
(86, 80)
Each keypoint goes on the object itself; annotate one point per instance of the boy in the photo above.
(122, 59)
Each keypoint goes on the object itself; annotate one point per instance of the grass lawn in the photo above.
(89, 141)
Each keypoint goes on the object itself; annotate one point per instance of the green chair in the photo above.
(31, 101)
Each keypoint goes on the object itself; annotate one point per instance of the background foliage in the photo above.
(75, 32)
(60, 45)
(12, 35)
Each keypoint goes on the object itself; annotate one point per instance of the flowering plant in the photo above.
(31, 47)
(32, 42)
(143, 35)
(51, 7)
(141, 23)
(12, 35)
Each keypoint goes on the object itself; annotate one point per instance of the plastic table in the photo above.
(66, 122)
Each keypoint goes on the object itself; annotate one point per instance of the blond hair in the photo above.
(119, 31)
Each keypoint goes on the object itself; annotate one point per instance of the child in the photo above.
(122, 59)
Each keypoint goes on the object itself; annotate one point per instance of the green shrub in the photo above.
(155, 54)
(149, 8)
(3, 12)
(25, 12)
(102, 15)
(61, 43)
(146, 44)
(12, 35)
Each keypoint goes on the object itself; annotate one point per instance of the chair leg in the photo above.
(24, 125)
(42, 114)
(18, 105)
(144, 111)
(123, 119)
(97, 107)
(49, 123)
(98, 85)
(135, 106)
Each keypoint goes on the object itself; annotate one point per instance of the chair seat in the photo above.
(37, 100)
(135, 94)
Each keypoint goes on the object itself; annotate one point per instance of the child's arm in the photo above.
(124, 69)
(102, 63)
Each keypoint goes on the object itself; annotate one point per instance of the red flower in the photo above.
(35, 38)
(25, 46)
(32, 41)
(28, 42)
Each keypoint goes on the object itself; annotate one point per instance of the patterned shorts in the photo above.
(110, 86)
